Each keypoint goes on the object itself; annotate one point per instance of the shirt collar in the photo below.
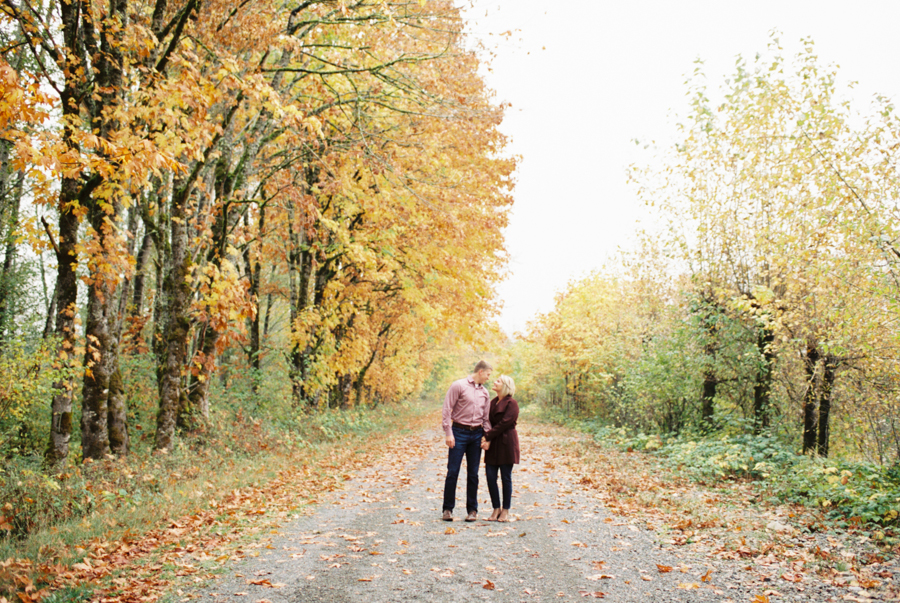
(472, 381)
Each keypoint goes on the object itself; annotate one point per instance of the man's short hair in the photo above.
(483, 366)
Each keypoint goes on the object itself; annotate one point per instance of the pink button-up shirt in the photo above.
(468, 403)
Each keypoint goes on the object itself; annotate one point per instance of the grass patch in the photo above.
(95, 519)
(846, 492)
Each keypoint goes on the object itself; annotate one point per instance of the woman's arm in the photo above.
(506, 422)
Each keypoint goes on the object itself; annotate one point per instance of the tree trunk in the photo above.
(809, 403)
(828, 376)
(51, 314)
(117, 424)
(344, 388)
(254, 274)
(101, 345)
(174, 314)
(707, 410)
(12, 197)
(98, 370)
(196, 411)
(299, 275)
(71, 188)
(140, 270)
(195, 415)
(763, 388)
(709, 315)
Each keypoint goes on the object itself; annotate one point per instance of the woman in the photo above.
(501, 445)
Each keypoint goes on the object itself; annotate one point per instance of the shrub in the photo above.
(728, 456)
(27, 373)
(30, 498)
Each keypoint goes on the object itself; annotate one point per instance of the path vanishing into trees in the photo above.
(380, 539)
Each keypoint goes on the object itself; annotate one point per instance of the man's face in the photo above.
(482, 376)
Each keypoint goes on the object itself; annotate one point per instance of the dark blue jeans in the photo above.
(468, 444)
(490, 472)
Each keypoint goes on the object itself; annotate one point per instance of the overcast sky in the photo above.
(587, 77)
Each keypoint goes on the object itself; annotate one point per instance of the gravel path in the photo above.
(381, 540)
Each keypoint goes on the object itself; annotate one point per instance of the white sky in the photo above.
(612, 72)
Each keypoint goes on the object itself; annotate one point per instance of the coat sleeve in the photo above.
(506, 422)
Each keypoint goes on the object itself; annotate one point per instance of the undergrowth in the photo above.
(848, 492)
(47, 515)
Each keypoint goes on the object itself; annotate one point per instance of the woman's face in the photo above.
(498, 386)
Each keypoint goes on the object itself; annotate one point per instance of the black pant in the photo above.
(468, 444)
(490, 472)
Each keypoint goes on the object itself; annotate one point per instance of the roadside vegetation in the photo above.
(751, 335)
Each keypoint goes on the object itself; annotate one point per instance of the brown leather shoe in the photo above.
(472, 516)
(447, 516)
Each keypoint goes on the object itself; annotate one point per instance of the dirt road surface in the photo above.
(381, 539)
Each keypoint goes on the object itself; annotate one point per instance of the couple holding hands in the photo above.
(473, 422)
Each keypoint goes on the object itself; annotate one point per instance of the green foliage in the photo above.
(27, 374)
(861, 493)
(728, 456)
(857, 492)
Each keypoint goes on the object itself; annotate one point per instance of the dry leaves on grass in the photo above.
(205, 535)
(728, 521)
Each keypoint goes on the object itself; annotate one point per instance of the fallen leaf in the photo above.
(688, 585)
(664, 569)
(706, 577)
(488, 585)
(449, 531)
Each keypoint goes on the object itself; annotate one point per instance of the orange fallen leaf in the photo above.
(706, 577)
(688, 585)
(449, 531)
(664, 569)
(488, 585)
(364, 580)
(760, 599)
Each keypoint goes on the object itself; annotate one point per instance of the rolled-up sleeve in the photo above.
(449, 403)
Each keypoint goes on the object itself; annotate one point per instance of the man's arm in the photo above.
(447, 412)
(486, 416)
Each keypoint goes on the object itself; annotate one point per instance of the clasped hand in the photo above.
(485, 445)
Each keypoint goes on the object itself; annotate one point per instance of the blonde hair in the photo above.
(509, 386)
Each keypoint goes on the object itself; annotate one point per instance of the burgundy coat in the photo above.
(504, 449)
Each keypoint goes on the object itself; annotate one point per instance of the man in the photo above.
(465, 419)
